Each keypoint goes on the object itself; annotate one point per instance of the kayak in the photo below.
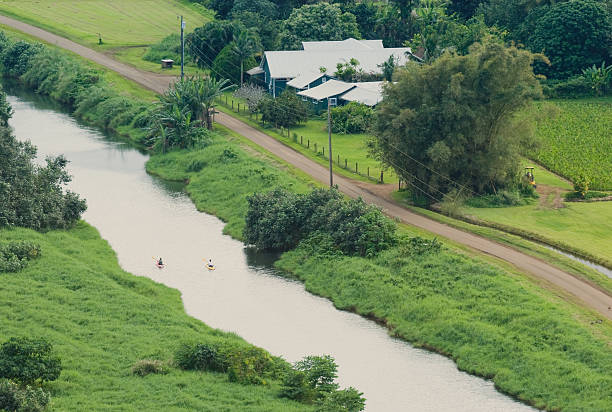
(210, 267)
(159, 266)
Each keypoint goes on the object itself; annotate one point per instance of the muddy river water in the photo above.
(142, 216)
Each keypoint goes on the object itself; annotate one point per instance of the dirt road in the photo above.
(580, 289)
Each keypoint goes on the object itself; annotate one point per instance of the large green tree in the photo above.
(206, 42)
(454, 122)
(315, 22)
(574, 35)
(244, 46)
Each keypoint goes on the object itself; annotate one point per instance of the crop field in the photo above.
(101, 320)
(578, 140)
(119, 22)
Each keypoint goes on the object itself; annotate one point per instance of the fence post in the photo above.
(238, 107)
(308, 146)
(226, 99)
(232, 104)
(316, 151)
(302, 140)
(345, 163)
(338, 160)
(323, 151)
(399, 184)
(368, 171)
(381, 177)
(356, 168)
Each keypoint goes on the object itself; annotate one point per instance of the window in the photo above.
(333, 101)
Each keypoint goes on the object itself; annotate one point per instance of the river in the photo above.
(142, 216)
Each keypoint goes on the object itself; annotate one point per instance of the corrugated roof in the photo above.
(305, 79)
(368, 93)
(348, 44)
(327, 89)
(293, 63)
(255, 70)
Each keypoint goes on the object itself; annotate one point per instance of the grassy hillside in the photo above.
(578, 140)
(101, 320)
(119, 22)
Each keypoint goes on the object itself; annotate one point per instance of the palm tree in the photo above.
(206, 90)
(244, 46)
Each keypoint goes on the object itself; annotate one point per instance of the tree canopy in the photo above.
(313, 22)
(454, 120)
(574, 35)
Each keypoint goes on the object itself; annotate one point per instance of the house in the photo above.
(308, 80)
(340, 93)
(278, 68)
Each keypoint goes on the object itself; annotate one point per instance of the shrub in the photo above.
(199, 356)
(287, 110)
(572, 88)
(195, 166)
(321, 372)
(295, 386)
(591, 194)
(581, 185)
(17, 57)
(279, 220)
(14, 398)
(418, 246)
(145, 367)
(248, 364)
(346, 400)
(352, 118)
(26, 360)
(15, 255)
(502, 198)
(168, 48)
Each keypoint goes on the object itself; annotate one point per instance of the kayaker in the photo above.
(160, 262)
(210, 263)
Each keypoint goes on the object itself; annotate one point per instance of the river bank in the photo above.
(225, 184)
(103, 320)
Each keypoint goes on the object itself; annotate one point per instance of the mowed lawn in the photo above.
(586, 226)
(577, 140)
(119, 22)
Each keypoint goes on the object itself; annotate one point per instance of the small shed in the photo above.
(167, 63)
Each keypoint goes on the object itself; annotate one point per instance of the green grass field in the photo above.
(578, 140)
(119, 22)
(350, 147)
(492, 323)
(101, 320)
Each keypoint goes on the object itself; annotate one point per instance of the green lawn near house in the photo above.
(350, 148)
(101, 320)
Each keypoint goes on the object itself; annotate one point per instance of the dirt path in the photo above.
(580, 289)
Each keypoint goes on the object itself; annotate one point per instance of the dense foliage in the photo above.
(206, 42)
(287, 110)
(574, 35)
(19, 398)
(29, 360)
(227, 64)
(352, 118)
(452, 124)
(168, 48)
(321, 21)
(31, 195)
(14, 256)
(279, 220)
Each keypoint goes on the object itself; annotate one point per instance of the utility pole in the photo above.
(331, 175)
(182, 48)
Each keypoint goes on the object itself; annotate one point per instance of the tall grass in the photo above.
(491, 324)
(102, 321)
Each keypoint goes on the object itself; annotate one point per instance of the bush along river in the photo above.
(143, 217)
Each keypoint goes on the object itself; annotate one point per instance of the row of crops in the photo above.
(578, 141)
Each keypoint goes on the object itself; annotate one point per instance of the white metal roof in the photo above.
(305, 79)
(327, 89)
(368, 93)
(348, 44)
(293, 63)
(255, 70)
